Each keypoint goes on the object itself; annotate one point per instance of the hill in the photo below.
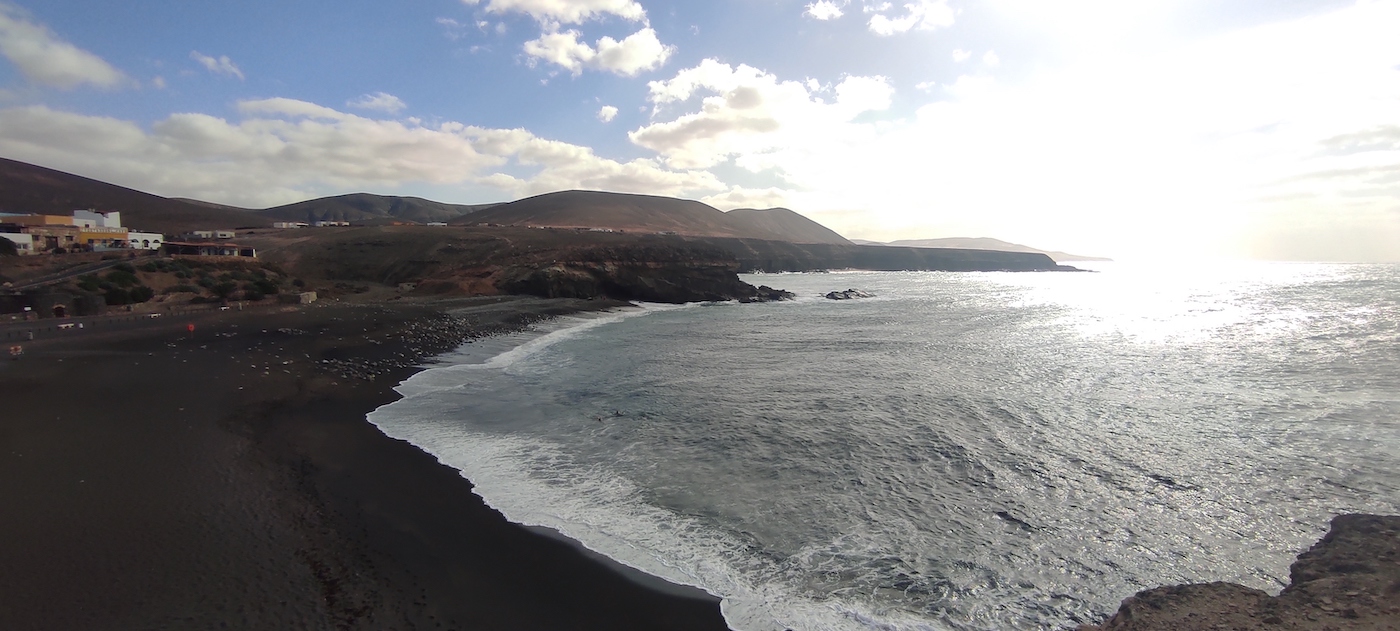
(652, 214)
(27, 188)
(985, 243)
(367, 208)
(781, 221)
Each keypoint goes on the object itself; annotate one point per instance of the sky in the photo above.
(1264, 129)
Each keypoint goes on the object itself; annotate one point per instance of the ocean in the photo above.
(961, 451)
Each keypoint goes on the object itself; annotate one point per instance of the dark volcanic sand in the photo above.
(154, 480)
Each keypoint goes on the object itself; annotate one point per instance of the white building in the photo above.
(24, 242)
(289, 224)
(93, 219)
(145, 240)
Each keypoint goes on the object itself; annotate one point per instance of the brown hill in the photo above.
(367, 207)
(781, 221)
(26, 188)
(652, 214)
(986, 243)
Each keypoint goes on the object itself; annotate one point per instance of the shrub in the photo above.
(252, 295)
(150, 268)
(299, 283)
(124, 267)
(117, 296)
(123, 278)
(8, 248)
(224, 290)
(266, 286)
(182, 289)
(141, 293)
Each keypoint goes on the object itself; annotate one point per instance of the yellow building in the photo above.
(38, 220)
(98, 237)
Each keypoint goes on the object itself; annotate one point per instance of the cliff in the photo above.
(1348, 581)
(505, 260)
(756, 255)
(672, 275)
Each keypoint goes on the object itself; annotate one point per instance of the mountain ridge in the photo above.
(983, 243)
(650, 213)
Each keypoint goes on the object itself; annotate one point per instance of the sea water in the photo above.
(962, 451)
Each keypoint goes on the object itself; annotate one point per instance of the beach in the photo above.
(155, 477)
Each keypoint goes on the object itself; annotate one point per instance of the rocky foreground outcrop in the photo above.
(1348, 581)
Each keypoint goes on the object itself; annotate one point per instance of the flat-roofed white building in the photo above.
(24, 243)
(94, 219)
(144, 240)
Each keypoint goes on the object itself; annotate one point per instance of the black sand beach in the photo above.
(154, 479)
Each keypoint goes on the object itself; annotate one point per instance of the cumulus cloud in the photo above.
(636, 53)
(960, 55)
(217, 65)
(607, 113)
(751, 115)
(551, 12)
(926, 15)
(44, 58)
(741, 197)
(824, 10)
(379, 101)
(283, 150)
(991, 59)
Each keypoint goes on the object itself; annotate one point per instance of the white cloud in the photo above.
(824, 10)
(1278, 141)
(607, 113)
(43, 58)
(379, 101)
(751, 115)
(926, 86)
(961, 55)
(740, 197)
(991, 59)
(925, 15)
(285, 150)
(638, 52)
(158, 82)
(551, 12)
(217, 65)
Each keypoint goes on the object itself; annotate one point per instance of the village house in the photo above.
(144, 240)
(210, 234)
(85, 229)
(182, 248)
(289, 224)
(24, 243)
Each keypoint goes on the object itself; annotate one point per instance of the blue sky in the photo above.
(1185, 128)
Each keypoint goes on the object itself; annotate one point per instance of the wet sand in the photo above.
(154, 479)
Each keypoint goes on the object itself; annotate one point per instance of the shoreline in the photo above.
(233, 478)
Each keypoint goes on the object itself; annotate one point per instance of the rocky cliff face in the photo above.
(1348, 581)
(673, 275)
(778, 256)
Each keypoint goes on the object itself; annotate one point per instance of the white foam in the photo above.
(535, 483)
(450, 374)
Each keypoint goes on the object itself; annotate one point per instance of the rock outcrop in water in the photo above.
(1348, 581)
(849, 294)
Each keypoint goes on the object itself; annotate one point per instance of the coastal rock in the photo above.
(849, 294)
(1350, 580)
(671, 275)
